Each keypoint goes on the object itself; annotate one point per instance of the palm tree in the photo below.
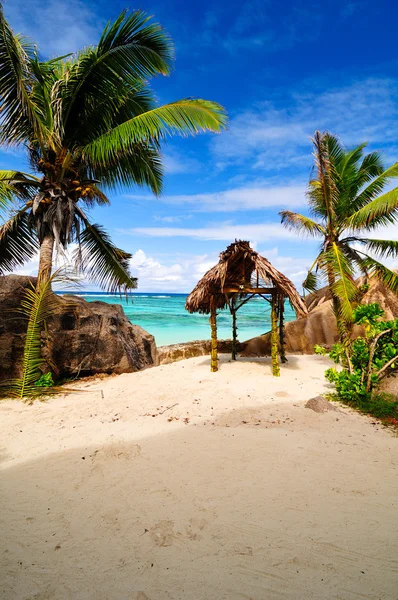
(345, 197)
(88, 121)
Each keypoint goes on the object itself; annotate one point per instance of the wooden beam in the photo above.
(247, 290)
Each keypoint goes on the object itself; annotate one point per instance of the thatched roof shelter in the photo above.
(236, 267)
(240, 274)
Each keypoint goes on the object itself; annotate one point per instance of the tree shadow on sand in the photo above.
(198, 513)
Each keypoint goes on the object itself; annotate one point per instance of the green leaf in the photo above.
(131, 48)
(383, 210)
(310, 283)
(142, 165)
(344, 288)
(301, 224)
(19, 117)
(188, 116)
(386, 248)
(388, 277)
(18, 243)
(100, 261)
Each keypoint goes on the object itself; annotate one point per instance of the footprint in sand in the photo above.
(106, 454)
(162, 534)
(194, 528)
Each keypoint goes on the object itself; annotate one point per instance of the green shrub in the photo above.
(46, 380)
(364, 362)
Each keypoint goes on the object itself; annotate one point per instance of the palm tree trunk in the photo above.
(46, 259)
(341, 328)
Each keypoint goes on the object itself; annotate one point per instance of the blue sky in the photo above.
(281, 70)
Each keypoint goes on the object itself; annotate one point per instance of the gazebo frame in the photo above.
(240, 275)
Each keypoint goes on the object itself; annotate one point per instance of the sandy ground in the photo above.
(236, 492)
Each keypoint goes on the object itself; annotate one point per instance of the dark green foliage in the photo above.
(46, 380)
(347, 201)
(349, 386)
(89, 122)
(364, 362)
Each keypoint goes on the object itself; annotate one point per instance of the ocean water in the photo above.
(165, 317)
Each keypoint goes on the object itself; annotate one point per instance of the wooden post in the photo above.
(233, 311)
(213, 355)
(281, 330)
(274, 337)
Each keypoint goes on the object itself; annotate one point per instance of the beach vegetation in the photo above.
(37, 306)
(90, 124)
(348, 199)
(364, 362)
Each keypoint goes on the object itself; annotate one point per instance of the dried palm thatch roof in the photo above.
(240, 265)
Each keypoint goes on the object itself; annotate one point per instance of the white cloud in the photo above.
(294, 267)
(155, 276)
(270, 138)
(236, 199)
(175, 163)
(182, 276)
(153, 270)
(167, 219)
(226, 232)
(58, 26)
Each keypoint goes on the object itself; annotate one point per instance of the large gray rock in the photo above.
(319, 326)
(84, 338)
(176, 352)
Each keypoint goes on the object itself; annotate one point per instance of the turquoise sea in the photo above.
(165, 317)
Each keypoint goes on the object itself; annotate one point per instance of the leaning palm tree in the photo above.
(345, 196)
(89, 123)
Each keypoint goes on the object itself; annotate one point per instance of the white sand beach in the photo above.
(235, 492)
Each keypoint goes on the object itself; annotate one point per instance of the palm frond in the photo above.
(131, 48)
(100, 261)
(344, 287)
(385, 248)
(141, 165)
(301, 224)
(386, 275)
(184, 117)
(19, 118)
(383, 210)
(15, 186)
(310, 283)
(372, 171)
(322, 191)
(18, 242)
(45, 77)
(371, 166)
(356, 257)
(335, 150)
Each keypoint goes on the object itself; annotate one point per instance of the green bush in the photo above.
(46, 380)
(365, 361)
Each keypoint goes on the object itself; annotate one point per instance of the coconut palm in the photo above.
(346, 199)
(89, 123)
